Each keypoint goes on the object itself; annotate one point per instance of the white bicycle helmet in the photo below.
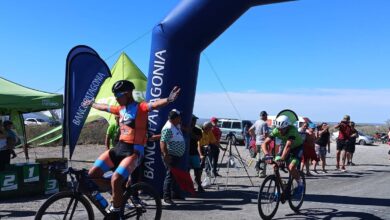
(282, 122)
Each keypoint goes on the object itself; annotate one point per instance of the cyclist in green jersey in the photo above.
(292, 151)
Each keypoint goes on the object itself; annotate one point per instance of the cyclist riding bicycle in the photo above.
(293, 149)
(129, 151)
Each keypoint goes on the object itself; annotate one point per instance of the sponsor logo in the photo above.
(155, 91)
(47, 102)
(89, 95)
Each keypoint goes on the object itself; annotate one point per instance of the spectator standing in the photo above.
(309, 154)
(342, 141)
(323, 140)
(388, 142)
(246, 135)
(204, 143)
(112, 134)
(195, 151)
(214, 147)
(12, 135)
(172, 146)
(352, 143)
(260, 131)
(5, 158)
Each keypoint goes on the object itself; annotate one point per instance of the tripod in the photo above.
(232, 156)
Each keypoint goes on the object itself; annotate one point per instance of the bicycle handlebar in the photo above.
(275, 163)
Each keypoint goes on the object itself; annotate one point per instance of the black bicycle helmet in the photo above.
(122, 86)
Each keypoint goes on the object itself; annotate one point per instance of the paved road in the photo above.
(362, 192)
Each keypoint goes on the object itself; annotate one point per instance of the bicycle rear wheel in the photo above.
(269, 197)
(142, 202)
(296, 197)
(65, 205)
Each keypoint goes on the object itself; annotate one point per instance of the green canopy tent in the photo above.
(16, 99)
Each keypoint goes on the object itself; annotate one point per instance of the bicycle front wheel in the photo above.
(297, 194)
(269, 197)
(65, 205)
(142, 202)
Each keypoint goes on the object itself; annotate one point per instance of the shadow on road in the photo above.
(216, 200)
(20, 213)
(327, 214)
(15, 214)
(347, 200)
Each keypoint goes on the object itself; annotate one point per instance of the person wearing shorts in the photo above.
(352, 144)
(259, 131)
(342, 141)
(195, 150)
(322, 142)
(129, 151)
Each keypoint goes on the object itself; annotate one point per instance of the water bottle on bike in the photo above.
(100, 199)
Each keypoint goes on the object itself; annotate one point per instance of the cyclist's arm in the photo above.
(286, 149)
(163, 102)
(98, 106)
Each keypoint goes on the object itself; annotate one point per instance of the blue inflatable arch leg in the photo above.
(174, 60)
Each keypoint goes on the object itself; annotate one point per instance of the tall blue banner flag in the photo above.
(85, 73)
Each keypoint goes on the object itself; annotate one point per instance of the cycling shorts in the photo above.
(121, 158)
(294, 156)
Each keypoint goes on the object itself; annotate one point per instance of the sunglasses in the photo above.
(120, 94)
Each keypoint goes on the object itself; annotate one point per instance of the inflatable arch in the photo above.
(177, 43)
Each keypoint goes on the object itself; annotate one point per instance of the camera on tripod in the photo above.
(230, 136)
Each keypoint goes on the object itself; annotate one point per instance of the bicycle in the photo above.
(140, 200)
(274, 190)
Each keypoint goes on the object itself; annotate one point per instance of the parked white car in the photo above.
(363, 139)
(234, 127)
(35, 121)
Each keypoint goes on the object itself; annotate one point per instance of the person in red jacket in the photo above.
(343, 141)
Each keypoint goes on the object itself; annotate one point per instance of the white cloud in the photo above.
(364, 106)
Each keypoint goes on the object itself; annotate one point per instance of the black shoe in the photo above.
(200, 189)
(178, 197)
(168, 202)
(216, 174)
(112, 216)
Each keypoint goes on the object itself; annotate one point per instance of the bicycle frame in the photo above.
(285, 188)
(75, 178)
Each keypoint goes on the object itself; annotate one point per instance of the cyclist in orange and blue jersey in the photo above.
(129, 151)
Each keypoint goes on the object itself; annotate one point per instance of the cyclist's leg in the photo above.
(125, 168)
(292, 167)
(294, 161)
(101, 165)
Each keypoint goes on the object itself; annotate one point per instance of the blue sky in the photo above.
(322, 58)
